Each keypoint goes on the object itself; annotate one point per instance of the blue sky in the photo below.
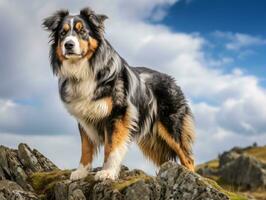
(205, 16)
(215, 49)
(237, 16)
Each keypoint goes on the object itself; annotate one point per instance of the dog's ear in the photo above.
(92, 17)
(51, 23)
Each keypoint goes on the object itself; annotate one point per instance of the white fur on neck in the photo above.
(80, 101)
(77, 68)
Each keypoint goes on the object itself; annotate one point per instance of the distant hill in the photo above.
(240, 170)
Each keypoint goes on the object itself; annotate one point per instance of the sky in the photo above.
(215, 50)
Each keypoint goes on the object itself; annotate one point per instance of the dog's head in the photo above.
(74, 37)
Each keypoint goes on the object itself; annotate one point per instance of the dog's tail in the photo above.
(187, 136)
(162, 145)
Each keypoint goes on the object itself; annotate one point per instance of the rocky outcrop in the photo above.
(238, 169)
(11, 190)
(228, 157)
(26, 174)
(245, 172)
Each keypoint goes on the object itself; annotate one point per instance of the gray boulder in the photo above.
(228, 157)
(10, 190)
(245, 172)
(27, 175)
(179, 183)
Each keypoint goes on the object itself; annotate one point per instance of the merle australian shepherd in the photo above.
(114, 103)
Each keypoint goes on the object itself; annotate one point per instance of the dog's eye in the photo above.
(63, 33)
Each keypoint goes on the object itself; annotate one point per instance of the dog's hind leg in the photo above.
(87, 152)
(156, 149)
(182, 146)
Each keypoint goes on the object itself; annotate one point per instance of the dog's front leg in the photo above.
(115, 147)
(87, 152)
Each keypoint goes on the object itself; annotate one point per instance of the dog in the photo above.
(113, 102)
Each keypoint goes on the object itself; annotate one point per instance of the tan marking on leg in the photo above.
(184, 159)
(87, 151)
(114, 150)
(87, 148)
(119, 136)
(107, 147)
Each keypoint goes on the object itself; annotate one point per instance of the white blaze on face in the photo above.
(76, 49)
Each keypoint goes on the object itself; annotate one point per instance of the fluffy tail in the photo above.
(187, 136)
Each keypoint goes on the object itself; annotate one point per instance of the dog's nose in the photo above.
(69, 45)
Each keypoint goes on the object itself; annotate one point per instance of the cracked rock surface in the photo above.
(26, 174)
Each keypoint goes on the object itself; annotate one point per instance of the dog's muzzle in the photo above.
(71, 47)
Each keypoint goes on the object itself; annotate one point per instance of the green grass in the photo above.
(231, 195)
(213, 164)
(258, 152)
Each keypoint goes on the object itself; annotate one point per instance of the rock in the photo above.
(3, 163)
(228, 157)
(45, 163)
(28, 175)
(104, 190)
(10, 190)
(18, 165)
(16, 170)
(61, 191)
(245, 172)
(2, 175)
(180, 183)
(28, 159)
(77, 194)
(145, 190)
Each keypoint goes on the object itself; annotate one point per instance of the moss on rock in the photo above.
(122, 184)
(43, 181)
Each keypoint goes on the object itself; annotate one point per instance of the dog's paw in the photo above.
(79, 174)
(106, 174)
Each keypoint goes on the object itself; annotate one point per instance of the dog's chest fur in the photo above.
(77, 87)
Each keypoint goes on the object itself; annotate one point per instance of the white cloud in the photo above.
(134, 10)
(239, 40)
(220, 62)
(216, 141)
(229, 107)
